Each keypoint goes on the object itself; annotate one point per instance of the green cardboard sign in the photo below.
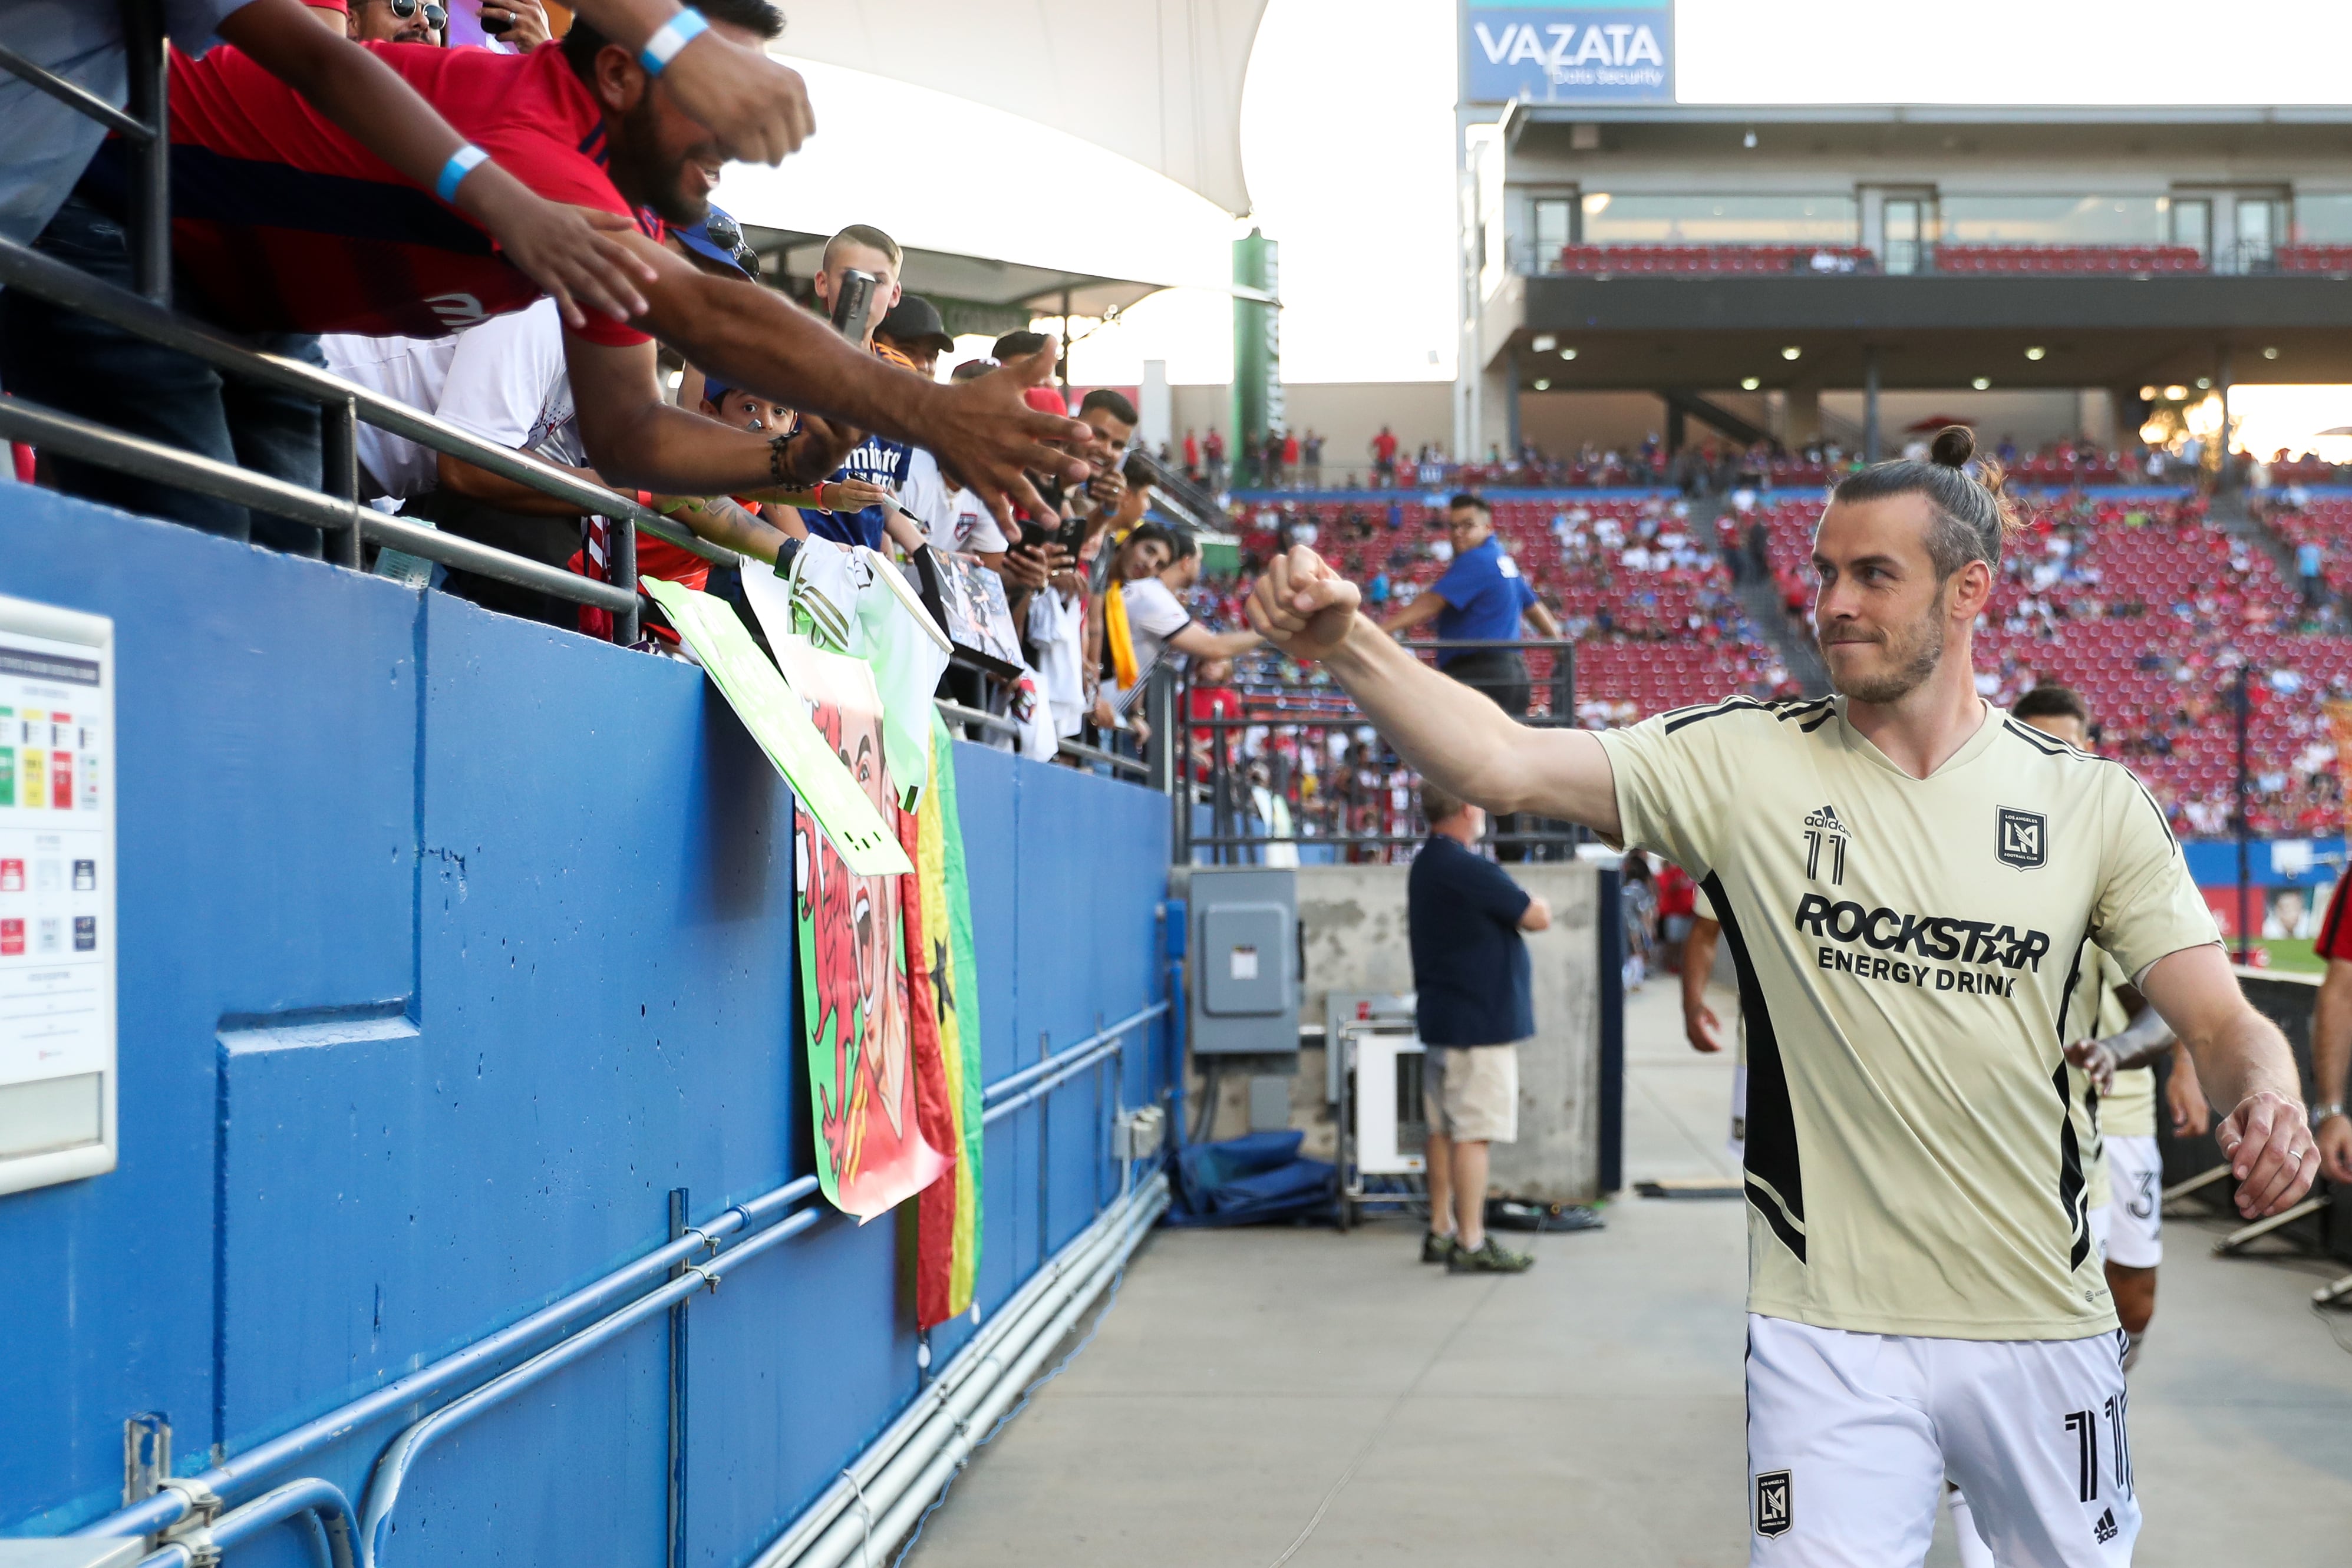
(778, 721)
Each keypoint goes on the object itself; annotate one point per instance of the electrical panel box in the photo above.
(1245, 949)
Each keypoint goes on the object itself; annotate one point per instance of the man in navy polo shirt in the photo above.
(1463, 916)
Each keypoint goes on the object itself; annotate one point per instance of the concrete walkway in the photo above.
(1249, 1384)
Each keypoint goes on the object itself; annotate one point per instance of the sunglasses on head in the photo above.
(435, 16)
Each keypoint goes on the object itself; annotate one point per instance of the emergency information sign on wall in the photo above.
(56, 895)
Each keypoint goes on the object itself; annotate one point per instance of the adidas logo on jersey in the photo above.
(2106, 1530)
(1824, 833)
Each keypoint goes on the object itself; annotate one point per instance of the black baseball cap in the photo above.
(915, 320)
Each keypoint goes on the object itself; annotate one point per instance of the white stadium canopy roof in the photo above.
(1018, 155)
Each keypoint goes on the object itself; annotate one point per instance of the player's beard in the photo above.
(1912, 653)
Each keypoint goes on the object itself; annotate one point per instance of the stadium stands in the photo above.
(2313, 259)
(1652, 603)
(2013, 258)
(1616, 260)
(1710, 258)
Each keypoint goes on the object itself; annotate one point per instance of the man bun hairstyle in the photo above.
(1972, 519)
(583, 42)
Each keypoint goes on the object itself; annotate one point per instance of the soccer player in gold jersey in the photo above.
(1905, 877)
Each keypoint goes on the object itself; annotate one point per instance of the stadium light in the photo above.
(1567, 353)
(2204, 383)
(1790, 353)
(2147, 394)
(1546, 343)
(1981, 383)
(1749, 383)
(2175, 393)
(1542, 385)
(2270, 353)
(2035, 353)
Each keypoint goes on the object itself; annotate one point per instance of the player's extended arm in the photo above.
(2331, 1054)
(577, 255)
(1700, 1026)
(2244, 1063)
(758, 109)
(981, 431)
(1444, 730)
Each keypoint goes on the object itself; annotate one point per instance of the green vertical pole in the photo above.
(1258, 354)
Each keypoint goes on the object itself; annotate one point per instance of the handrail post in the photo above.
(339, 472)
(622, 538)
(677, 1389)
(1165, 753)
(151, 161)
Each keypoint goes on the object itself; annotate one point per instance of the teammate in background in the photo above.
(2115, 1084)
(1905, 876)
(1700, 1026)
(2331, 1038)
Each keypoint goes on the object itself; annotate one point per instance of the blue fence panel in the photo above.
(451, 945)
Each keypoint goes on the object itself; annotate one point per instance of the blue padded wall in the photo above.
(450, 945)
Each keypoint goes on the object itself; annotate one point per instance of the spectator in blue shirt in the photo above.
(1464, 915)
(1481, 598)
(2308, 563)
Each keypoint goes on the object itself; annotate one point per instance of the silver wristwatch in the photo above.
(2320, 1113)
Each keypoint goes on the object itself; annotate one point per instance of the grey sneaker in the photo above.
(1436, 1248)
(1492, 1257)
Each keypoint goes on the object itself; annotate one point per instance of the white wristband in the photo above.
(669, 37)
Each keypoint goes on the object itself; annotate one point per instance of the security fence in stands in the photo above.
(1300, 766)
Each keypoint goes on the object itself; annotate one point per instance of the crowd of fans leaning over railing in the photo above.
(514, 233)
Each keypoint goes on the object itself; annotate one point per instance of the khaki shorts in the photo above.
(1471, 1092)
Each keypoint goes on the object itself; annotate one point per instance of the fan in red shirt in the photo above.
(1211, 698)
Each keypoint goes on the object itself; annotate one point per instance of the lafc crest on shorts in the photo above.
(1775, 1500)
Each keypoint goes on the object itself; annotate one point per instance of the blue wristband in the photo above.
(461, 164)
(669, 37)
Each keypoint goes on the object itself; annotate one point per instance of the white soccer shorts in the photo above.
(1850, 1436)
(2136, 1231)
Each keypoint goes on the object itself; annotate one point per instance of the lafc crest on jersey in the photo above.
(2022, 838)
(1825, 837)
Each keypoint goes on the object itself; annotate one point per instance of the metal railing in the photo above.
(1301, 765)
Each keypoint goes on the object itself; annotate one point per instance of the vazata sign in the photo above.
(1612, 51)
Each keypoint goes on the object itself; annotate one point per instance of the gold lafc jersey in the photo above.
(2096, 1011)
(1906, 951)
